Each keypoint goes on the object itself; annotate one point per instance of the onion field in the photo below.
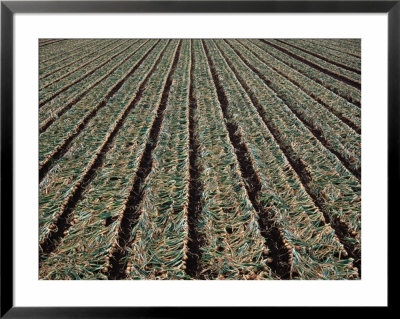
(215, 159)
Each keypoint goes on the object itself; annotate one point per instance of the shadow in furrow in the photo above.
(195, 206)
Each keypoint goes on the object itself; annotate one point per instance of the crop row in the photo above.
(340, 46)
(50, 52)
(79, 85)
(68, 71)
(319, 45)
(51, 44)
(42, 42)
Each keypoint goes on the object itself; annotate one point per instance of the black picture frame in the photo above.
(9, 8)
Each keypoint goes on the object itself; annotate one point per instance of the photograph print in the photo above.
(199, 159)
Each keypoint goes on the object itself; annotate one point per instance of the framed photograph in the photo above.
(160, 155)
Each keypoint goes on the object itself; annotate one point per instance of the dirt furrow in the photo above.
(195, 205)
(41, 42)
(330, 47)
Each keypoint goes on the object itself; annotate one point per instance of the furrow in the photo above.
(300, 222)
(234, 247)
(49, 108)
(318, 46)
(340, 47)
(195, 204)
(341, 51)
(50, 50)
(214, 159)
(158, 243)
(41, 41)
